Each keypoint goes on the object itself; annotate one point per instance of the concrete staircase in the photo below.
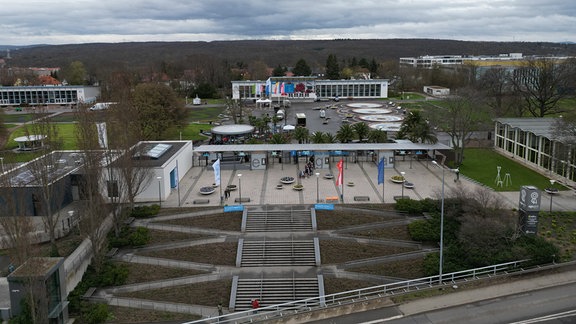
(280, 253)
(278, 221)
(274, 291)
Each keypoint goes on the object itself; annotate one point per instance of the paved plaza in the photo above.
(260, 186)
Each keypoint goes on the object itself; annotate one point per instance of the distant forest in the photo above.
(272, 53)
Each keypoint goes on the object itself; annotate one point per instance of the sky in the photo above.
(27, 22)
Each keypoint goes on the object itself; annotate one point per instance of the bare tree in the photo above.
(497, 87)
(94, 158)
(44, 171)
(18, 231)
(542, 83)
(463, 114)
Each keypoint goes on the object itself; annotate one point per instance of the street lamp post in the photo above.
(441, 226)
(317, 188)
(551, 193)
(2, 160)
(240, 188)
(159, 191)
(403, 181)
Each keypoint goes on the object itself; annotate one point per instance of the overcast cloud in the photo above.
(24, 22)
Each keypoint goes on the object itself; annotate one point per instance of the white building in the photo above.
(437, 91)
(49, 95)
(309, 88)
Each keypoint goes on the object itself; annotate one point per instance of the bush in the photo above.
(139, 237)
(94, 313)
(409, 205)
(129, 237)
(423, 231)
(145, 211)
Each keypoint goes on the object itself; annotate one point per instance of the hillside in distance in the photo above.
(273, 53)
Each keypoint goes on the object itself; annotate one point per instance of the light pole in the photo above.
(441, 226)
(551, 193)
(159, 191)
(403, 181)
(2, 160)
(240, 188)
(317, 188)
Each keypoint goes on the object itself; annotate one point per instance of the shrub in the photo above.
(129, 236)
(94, 313)
(145, 211)
(423, 231)
(139, 237)
(409, 205)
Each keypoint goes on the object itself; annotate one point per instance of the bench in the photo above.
(89, 292)
(201, 201)
(361, 198)
(332, 199)
(243, 199)
(112, 252)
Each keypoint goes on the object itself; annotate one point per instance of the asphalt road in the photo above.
(555, 305)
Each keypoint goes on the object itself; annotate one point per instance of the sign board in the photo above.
(324, 206)
(233, 208)
(529, 198)
(528, 209)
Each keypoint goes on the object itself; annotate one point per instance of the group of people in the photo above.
(308, 169)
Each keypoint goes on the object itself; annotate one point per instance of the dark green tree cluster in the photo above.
(477, 233)
(301, 68)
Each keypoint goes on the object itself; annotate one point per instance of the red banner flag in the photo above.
(340, 178)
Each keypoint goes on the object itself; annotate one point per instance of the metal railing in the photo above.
(352, 296)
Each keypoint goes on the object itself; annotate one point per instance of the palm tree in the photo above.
(275, 121)
(317, 137)
(361, 130)
(416, 129)
(377, 136)
(278, 139)
(345, 134)
(329, 138)
(301, 134)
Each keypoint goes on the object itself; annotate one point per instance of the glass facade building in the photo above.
(532, 140)
(50, 95)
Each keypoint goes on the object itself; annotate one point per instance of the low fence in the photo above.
(352, 296)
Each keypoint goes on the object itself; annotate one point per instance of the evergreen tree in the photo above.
(278, 71)
(332, 68)
(302, 68)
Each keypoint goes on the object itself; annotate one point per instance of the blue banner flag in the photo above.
(381, 171)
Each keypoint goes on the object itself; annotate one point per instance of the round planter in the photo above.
(287, 180)
(328, 176)
(408, 185)
(207, 190)
(552, 191)
(398, 180)
(297, 187)
(231, 187)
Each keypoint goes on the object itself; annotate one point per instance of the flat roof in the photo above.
(543, 127)
(236, 129)
(322, 147)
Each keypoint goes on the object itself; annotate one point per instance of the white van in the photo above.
(102, 106)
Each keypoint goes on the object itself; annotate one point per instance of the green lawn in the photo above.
(20, 118)
(205, 114)
(66, 131)
(190, 132)
(481, 165)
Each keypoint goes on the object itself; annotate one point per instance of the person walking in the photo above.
(220, 310)
(255, 305)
